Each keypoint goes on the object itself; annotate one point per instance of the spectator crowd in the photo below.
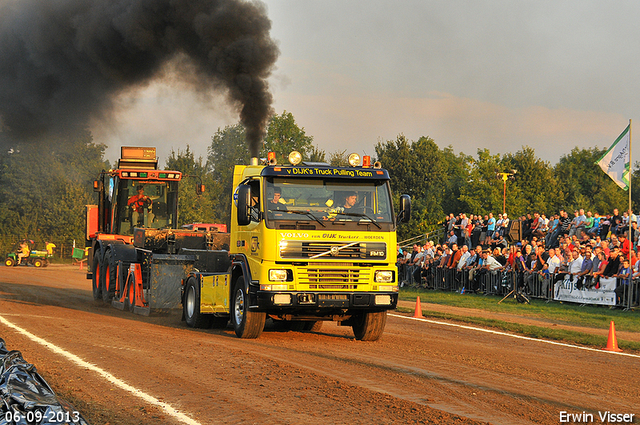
(586, 249)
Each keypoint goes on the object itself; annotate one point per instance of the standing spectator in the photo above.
(613, 264)
(581, 222)
(464, 257)
(575, 267)
(455, 257)
(498, 226)
(574, 223)
(623, 276)
(553, 228)
(453, 239)
(491, 226)
(602, 265)
(614, 221)
(588, 223)
(504, 230)
(584, 277)
(595, 228)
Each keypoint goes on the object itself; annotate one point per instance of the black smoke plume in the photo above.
(63, 62)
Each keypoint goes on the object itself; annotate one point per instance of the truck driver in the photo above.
(138, 203)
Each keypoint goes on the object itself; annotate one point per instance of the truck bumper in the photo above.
(325, 301)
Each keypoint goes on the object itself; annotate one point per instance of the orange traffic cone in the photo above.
(418, 313)
(612, 343)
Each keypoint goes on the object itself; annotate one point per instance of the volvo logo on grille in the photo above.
(335, 250)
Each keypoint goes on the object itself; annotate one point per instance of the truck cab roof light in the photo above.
(295, 158)
(354, 159)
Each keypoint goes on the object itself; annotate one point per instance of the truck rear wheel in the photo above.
(95, 281)
(191, 306)
(247, 324)
(369, 326)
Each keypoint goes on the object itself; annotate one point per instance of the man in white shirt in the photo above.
(575, 266)
(464, 257)
(553, 261)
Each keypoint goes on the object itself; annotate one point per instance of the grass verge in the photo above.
(563, 313)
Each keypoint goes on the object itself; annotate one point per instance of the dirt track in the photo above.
(419, 372)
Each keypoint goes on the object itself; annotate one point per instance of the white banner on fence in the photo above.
(566, 291)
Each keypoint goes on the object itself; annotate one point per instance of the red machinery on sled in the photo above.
(138, 257)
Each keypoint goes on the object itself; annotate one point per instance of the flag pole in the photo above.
(631, 244)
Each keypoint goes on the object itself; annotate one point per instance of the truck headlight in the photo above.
(384, 276)
(277, 275)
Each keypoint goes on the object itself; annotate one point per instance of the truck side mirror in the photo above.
(244, 205)
(199, 189)
(96, 186)
(405, 209)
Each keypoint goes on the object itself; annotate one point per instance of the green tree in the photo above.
(457, 175)
(45, 185)
(284, 136)
(228, 148)
(535, 188)
(193, 207)
(585, 185)
(339, 159)
(483, 192)
(418, 170)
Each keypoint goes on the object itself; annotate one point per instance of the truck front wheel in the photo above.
(191, 306)
(247, 324)
(9, 262)
(369, 326)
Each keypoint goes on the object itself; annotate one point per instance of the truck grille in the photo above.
(318, 278)
(328, 250)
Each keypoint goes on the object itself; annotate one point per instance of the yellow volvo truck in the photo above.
(308, 243)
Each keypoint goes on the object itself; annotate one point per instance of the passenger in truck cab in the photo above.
(138, 203)
(274, 203)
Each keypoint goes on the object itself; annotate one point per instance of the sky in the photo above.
(500, 75)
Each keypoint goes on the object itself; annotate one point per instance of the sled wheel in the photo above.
(95, 282)
(191, 306)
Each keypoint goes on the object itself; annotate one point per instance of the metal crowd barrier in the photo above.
(502, 282)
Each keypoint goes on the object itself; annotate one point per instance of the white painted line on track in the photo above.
(528, 338)
(168, 409)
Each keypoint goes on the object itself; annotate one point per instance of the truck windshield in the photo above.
(148, 204)
(328, 201)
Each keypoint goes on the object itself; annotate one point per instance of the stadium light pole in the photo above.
(505, 176)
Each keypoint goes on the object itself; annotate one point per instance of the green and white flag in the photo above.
(615, 161)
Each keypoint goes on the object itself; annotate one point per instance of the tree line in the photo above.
(45, 186)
